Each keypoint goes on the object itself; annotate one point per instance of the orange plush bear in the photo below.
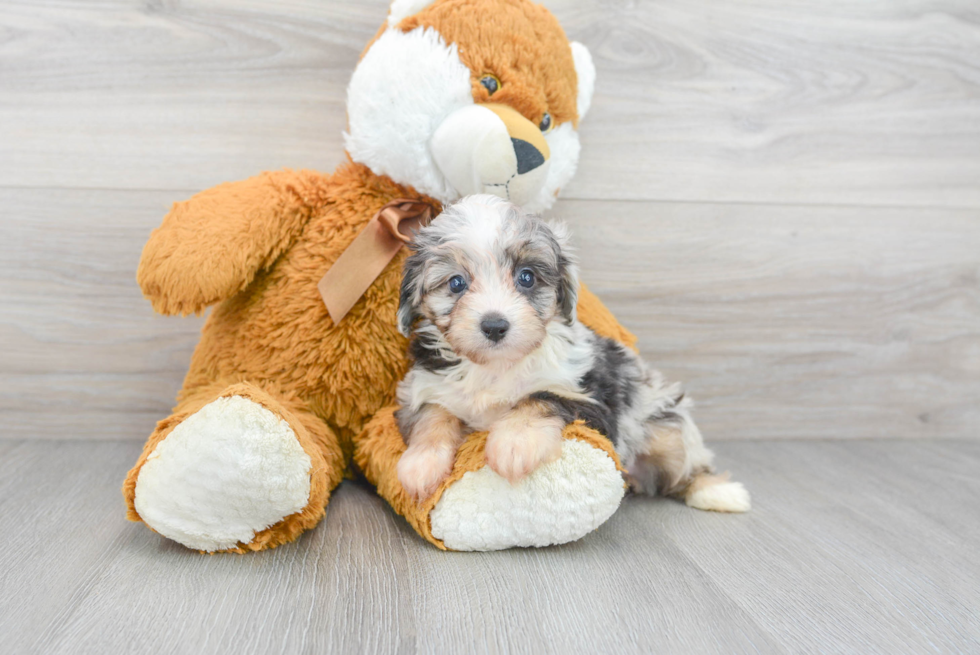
(451, 97)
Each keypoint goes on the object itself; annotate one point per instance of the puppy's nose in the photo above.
(494, 327)
(528, 157)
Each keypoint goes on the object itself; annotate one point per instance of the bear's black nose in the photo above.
(494, 327)
(528, 157)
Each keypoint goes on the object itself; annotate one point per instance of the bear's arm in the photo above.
(595, 315)
(210, 247)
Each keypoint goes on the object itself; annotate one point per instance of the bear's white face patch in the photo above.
(404, 87)
(412, 117)
(564, 144)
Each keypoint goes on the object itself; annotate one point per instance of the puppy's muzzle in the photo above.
(494, 327)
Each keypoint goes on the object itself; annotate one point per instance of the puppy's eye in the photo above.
(490, 83)
(457, 284)
(526, 278)
(545, 124)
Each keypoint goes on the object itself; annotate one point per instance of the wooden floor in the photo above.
(852, 547)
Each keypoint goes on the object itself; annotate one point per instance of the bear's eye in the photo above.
(490, 83)
(457, 284)
(526, 278)
(545, 124)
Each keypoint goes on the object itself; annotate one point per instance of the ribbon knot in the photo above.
(368, 254)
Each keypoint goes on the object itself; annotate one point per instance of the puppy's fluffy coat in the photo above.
(489, 298)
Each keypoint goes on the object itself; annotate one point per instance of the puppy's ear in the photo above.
(568, 290)
(567, 272)
(410, 297)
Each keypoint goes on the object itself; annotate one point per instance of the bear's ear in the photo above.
(585, 71)
(404, 8)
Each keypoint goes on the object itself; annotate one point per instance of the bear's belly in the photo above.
(277, 333)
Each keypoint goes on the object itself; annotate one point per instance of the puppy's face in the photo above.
(489, 277)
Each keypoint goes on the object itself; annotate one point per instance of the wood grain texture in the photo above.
(822, 322)
(857, 546)
(763, 101)
(83, 355)
(807, 101)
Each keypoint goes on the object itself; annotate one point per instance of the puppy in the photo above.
(488, 298)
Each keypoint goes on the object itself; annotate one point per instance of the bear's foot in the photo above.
(558, 502)
(474, 508)
(224, 474)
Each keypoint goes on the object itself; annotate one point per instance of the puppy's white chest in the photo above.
(480, 395)
(479, 402)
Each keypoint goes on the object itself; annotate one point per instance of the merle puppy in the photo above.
(489, 298)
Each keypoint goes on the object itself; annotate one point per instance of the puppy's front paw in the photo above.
(515, 451)
(422, 469)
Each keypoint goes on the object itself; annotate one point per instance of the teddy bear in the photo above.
(292, 384)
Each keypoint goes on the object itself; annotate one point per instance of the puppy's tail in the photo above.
(715, 493)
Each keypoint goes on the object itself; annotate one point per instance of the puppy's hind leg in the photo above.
(677, 463)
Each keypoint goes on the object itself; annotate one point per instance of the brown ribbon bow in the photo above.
(377, 244)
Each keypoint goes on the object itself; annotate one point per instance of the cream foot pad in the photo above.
(227, 472)
(560, 502)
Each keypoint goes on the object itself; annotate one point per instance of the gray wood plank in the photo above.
(339, 590)
(830, 102)
(83, 355)
(625, 589)
(798, 321)
(850, 547)
(59, 524)
(767, 101)
(78, 578)
(834, 550)
(168, 95)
